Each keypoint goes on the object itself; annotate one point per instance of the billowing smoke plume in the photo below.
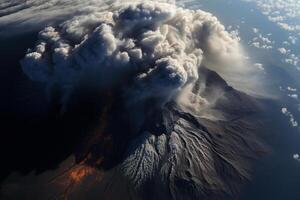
(156, 47)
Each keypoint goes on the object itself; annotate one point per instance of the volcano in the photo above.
(179, 152)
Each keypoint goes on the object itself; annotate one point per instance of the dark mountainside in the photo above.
(178, 153)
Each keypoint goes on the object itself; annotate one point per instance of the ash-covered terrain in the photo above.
(194, 157)
(160, 121)
(179, 152)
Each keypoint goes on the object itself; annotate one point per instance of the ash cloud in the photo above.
(160, 45)
(225, 56)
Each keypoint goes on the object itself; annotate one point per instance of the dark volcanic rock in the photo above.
(190, 156)
(179, 152)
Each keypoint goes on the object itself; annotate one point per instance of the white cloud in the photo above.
(294, 96)
(259, 66)
(289, 58)
(292, 39)
(283, 13)
(291, 89)
(287, 113)
(296, 157)
(261, 41)
(255, 30)
(282, 50)
(286, 15)
(292, 59)
(19, 16)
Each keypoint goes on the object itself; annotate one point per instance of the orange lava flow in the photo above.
(74, 177)
(79, 173)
